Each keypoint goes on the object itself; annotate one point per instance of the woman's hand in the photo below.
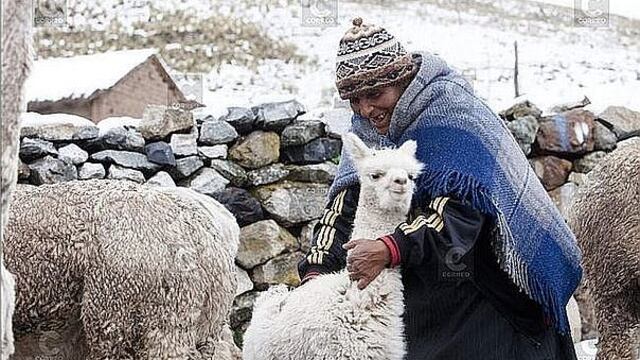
(365, 260)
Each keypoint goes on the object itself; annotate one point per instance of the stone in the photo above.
(262, 241)
(160, 153)
(158, 121)
(244, 281)
(563, 196)
(256, 150)
(577, 178)
(282, 269)
(604, 139)
(217, 132)
(89, 170)
(524, 129)
(127, 159)
(588, 162)
(187, 166)
(242, 205)
(301, 132)
(291, 203)
(552, 171)
(117, 172)
(73, 153)
(306, 235)
(317, 151)
(624, 120)
(23, 171)
(569, 133)
(242, 309)
(60, 132)
(267, 175)
(230, 170)
(213, 152)
(31, 149)
(571, 105)
(49, 170)
(323, 173)
(586, 349)
(184, 145)
(162, 178)
(628, 142)
(276, 116)
(242, 119)
(521, 109)
(119, 138)
(207, 181)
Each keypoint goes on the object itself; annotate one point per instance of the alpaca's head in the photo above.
(389, 173)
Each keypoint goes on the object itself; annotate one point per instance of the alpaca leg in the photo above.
(7, 285)
(615, 323)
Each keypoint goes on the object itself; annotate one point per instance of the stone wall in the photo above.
(273, 170)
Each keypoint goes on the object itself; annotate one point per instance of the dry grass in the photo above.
(200, 44)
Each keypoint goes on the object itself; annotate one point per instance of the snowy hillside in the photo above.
(558, 61)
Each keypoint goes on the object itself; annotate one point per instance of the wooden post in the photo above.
(515, 69)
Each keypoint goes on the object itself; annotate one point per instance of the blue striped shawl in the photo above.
(470, 154)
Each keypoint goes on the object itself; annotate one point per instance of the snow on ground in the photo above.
(626, 8)
(559, 62)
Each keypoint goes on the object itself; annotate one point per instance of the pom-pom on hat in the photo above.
(369, 57)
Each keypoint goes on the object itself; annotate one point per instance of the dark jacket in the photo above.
(458, 303)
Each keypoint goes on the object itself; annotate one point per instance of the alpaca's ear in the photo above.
(409, 147)
(355, 146)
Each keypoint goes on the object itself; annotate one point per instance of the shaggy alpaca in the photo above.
(16, 63)
(605, 216)
(329, 317)
(119, 270)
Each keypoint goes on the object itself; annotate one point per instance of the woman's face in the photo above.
(377, 105)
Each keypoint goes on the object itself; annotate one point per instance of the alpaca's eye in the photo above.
(375, 176)
(412, 177)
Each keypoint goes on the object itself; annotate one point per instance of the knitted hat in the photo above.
(369, 57)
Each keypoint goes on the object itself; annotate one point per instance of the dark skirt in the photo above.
(476, 331)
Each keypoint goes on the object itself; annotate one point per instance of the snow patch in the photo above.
(80, 76)
(33, 119)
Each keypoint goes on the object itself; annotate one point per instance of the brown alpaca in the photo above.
(605, 218)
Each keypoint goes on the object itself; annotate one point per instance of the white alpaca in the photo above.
(329, 317)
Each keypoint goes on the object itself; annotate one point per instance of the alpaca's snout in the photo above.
(400, 180)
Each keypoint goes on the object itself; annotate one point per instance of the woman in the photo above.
(488, 264)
